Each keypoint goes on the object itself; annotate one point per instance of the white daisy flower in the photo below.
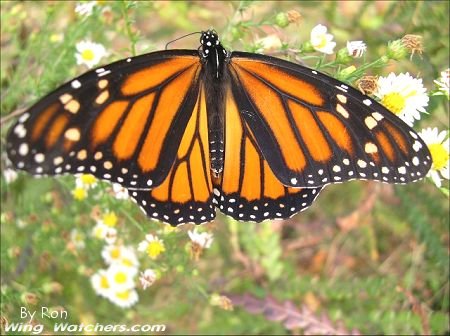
(85, 8)
(443, 83)
(104, 232)
(147, 278)
(120, 278)
(403, 95)
(152, 245)
(321, 41)
(89, 53)
(129, 259)
(100, 283)
(121, 255)
(110, 236)
(77, 238)
(270, 42)
(439, 145)
(125, 298)
(356, 48)
(120, 192)
(10, 175)
(203, 239)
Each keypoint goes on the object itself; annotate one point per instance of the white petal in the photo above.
(445, 172)
(435, 177)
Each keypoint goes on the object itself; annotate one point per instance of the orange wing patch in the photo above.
(56, 129)
(43, 120)
(398, 137)
(168, 105)
(386, 145)
(107, 121)
(131, 130)
(337, 131)
(282, 80)
(310, 132)
(153, 76)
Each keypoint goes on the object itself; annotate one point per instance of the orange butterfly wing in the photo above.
(186, 193)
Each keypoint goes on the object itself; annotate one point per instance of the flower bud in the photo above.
(396, 50)
(345, 73)
(343, 57)
(282, 20)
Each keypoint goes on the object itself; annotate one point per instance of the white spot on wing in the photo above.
(340, 109)
(341, 98)
(362, 164)
(370, 148)
(24, 117)
(417, 146)
(20, 131)
(75, 84)
(378, 116)
(104, 73)
(370, 122)
(39, 158)
(23, 149)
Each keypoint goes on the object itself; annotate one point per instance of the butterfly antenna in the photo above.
(181, 37)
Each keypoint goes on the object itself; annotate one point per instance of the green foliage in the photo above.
(382, 271)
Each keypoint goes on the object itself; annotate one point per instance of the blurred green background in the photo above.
(369, 256)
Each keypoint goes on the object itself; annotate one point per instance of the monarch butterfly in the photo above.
(189, 131)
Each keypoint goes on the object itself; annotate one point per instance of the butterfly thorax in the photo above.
(215, 57)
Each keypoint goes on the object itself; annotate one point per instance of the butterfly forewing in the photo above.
(314, 130)
(112, 122)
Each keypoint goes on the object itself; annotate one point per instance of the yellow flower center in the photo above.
(104, 282)
(87, 55)
(88, 179)
(322, 43)
(127, 262)
(394, 101)
(155, 248)
(120, 278)
(123, 295)
(98, 232)
(110, 219)
(79, 194)
(439, 155)
(115, 253)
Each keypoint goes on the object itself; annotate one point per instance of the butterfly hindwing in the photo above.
(314, 130)
(112, 122)
(248, 190)
(186, 193)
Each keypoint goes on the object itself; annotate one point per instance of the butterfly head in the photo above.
(210, 42)
(213, 53)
